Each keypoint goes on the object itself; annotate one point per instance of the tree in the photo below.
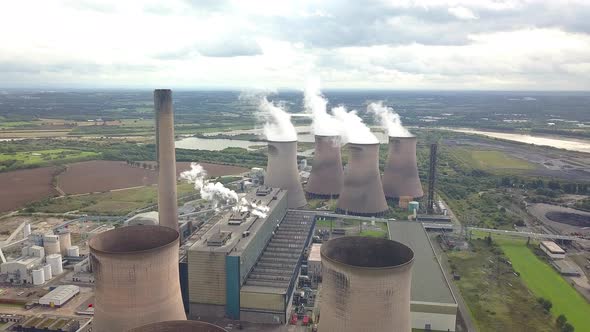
(567, 328)
(560, 321)
(546, 304)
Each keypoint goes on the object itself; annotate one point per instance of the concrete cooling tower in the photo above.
(366, 285)
(400, 176)
(325, 180)
(136, 277)
(362, 192)
(166, 154)
(179, 326)
(282, 172)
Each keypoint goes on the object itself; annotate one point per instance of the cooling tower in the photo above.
(136, 276)
(366, 285)
(325, 180)
(167, 204)
(362, 192)
(179, 326)
(282, 172)
(400, 176)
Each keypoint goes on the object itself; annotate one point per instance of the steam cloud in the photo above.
(351, 126)
(218, 193)
(278, 126)
(323, 123)
(388, 119)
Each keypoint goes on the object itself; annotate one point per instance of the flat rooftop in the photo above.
(553, 247)
(235, 243)
(428, 281)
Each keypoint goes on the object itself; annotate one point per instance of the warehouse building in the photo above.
(59, 296)
(244, 267)
(433, 305)
(552, 250)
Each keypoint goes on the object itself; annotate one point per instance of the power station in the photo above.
(400, 175)
(362, 191)
(325, 180)
(366, 285)
(282, 172)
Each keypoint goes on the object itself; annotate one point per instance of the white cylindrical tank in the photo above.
(38, 277)
(51, 244)
(55, 261)
(65, 242)
(73, 251)
(27, 230)
(47, 272)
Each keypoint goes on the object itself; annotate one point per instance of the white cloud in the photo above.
(463, 13)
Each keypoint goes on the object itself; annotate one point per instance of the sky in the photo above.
(272, 44)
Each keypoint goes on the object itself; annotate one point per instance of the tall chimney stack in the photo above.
(167, 203)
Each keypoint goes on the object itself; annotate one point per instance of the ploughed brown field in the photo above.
(20, 187)
(101, 175)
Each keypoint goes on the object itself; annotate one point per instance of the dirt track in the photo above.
(20, 187)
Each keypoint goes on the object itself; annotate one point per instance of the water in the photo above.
(571, 144)
(214, 144)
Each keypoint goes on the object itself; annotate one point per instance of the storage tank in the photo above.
(325, 179)
(179, 326)
(38, 277)
(56, 264)
(47, 272)
(362, 192)
(282, 172)
(365, 285)
(413, 206)
(166, 156)
(136, 277)
(65, 242)
(400, 175)
(73, 251)
(51, 244)
(27, 230)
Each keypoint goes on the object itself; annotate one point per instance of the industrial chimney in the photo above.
(179, 326)
(281, 171)
(366, 285)
(400, 176)
(325, 180)
(167, 204)
(362, 191)
(136, 276)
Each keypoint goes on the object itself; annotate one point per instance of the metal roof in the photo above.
(60, 294)
(428, 281)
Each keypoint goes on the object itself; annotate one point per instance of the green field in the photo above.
(497, 299)
(44, 157)
(490, 160)
(545, 282)
(118, 202)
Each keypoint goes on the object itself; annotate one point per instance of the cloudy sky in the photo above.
(391, 44)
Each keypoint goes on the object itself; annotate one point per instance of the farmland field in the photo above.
(545, 282)
(491, 160)
(44, 157)
(19, 187)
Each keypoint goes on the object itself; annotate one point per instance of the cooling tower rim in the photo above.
(407, 260)
(362, 144)
(326, 136)
(402, 138)
(168, 237)
(179, 324)
(275, 141)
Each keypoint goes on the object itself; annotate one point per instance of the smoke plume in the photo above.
(278, 126)
(388, 119)
(315, 103)
(352, 129)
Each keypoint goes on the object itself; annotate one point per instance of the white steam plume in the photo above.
(214, 192)
(315, 103)
(352, 128)
(278, 126)
(388, 119)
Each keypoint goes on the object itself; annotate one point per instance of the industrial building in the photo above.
(325, 179)
(48, 324)
(433, 305)
(245, 266)
(282, 172)
(552, 250)
(400, 175)
(362, 191)
(59, 296)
